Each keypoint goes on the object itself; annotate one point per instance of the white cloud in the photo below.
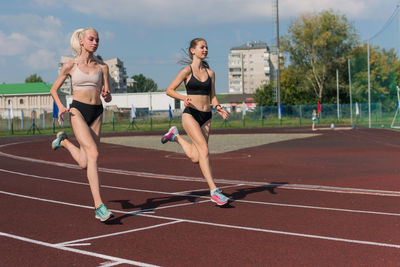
(35, 41)
(41, 60)
(41, 31)
(107, 35)
(45, 3)
(30, 23)
(193, 12)
(172, 12)
(13, 44)
(352, 8)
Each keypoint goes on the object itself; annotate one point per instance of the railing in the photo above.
(299, 115)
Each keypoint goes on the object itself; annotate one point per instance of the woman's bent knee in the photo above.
(195, 160)
(92, 155)
(203, 153)
(83, 165)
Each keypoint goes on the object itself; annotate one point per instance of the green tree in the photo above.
(143, 84)
(385, 75)
(264, 95)
(292, 91)
(34, 78)
(318, 44)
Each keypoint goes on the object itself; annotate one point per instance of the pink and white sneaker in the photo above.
(218, 197)
(170, 135)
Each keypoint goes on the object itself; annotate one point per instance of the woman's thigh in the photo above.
(83, 133)
(205, 128)
(95, 128)
(197, 134)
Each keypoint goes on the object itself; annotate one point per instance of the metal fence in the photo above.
(299, 115)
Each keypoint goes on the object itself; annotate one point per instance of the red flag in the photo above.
(319, 108)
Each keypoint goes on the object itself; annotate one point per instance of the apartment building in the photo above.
(250, 66)
(117, 74)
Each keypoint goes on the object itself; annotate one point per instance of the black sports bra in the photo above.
(196, 87)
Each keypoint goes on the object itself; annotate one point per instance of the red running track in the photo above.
(329, 200)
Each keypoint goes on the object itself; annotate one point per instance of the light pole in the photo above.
(351, 99)
(278, 71)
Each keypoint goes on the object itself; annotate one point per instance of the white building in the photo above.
(155, 101)
(117, 73)
(250, 66)
(26, 98)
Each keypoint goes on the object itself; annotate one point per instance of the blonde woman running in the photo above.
(89, 77)
(196, 118)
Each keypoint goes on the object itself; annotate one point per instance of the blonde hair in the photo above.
(77, 36)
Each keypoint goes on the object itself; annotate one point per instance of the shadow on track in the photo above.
(242, 193)
(152, 204)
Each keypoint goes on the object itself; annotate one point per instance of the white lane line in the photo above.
(206, 189)
(77, 245)
(204, 197)
(223, 181)
(118, 233)
(78, 251)
(109, 264)
(341, 190)
(345, 240)
(86, 184)
(319, 208)
(362, 242)
(152, 210)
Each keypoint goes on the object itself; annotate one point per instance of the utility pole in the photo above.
(278, 71)
(337, 93)
(351, 98)
(369, 87)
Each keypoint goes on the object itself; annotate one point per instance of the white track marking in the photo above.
(78, 251)
(341, 190)
(206, 189)
(68, 243)
(109, 264)
(152, 210)
(345, 240)
(223, 181)
(77, 245)
(282, 232)
(319, 208)
(204, 197)
(86, 184)
(47, 200)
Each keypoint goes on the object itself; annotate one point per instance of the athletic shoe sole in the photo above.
(165, 137)
(105, 219)
(219, 203)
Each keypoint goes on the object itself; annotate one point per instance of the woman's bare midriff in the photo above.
(91, 97)
(200, 102)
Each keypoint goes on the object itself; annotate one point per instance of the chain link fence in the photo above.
(266, 116)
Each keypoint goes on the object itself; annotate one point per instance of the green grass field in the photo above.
(123, 124)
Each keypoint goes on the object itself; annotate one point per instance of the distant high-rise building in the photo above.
(250, 66)
(117, 73)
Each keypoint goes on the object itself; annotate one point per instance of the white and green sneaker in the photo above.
(57, 142)
(102, 213)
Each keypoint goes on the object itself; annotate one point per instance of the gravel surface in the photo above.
(218, 143)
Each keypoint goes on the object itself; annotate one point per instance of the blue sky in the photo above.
(148, 35)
